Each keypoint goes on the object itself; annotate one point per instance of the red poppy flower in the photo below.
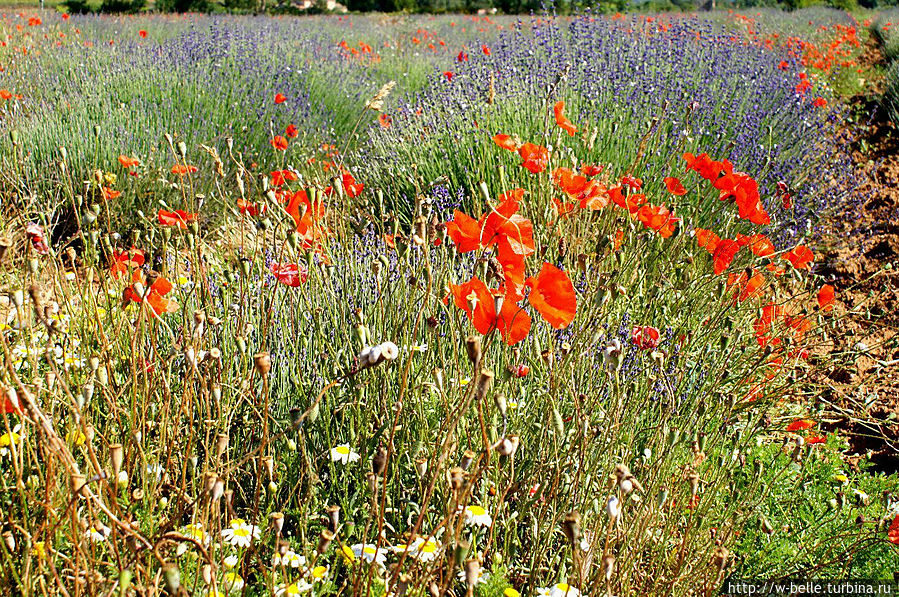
(291, 132)
(280, 98)
(747, 286)
(38, 240)
(5, 94)
(800, 425)
(280, 177)
(308, 217)
(289, 274)
(632, 182)
(182, 169)
(279, 143)
(707, 239)
(706, 167)
(506, 142)
(250, 208)
(724, 254)
(480, 304)
(536, 157)
(462, 57)
(552, 295)
(65, 16)
(125, 261)
(142, 33)
(110, 194)
(504, 227)
(674, 186)
(800, 257)
(385, 121)
(759, 244)
(177, 218)
(745, 191)
(591, 170)
(153, 296)
(448, 75)
(826, 298)
(520, 370)
(350, 186)
(486, 50)
(893, 532)
(10, 403)
(128, 162)
(562, 120)
(819, 102)
(631, 202)
(784, 65)
(816, 439)
(658, 218)
(645, 337)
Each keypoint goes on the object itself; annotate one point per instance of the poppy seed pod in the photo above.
(467, 458)
(507, 446)
(483, 384)
(333, 513)
(116, 456)
(571, 526)
(473, 348)
(324, 540)
(608, 566)
(263, 363)
(456, 478)
(277, 519)
(379, 461)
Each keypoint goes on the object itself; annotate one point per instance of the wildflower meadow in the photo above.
(481, 305)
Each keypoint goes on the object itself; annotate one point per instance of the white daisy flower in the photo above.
(240, 534)
(559, 590)
(231, 561)
(344, 454)
(477, 516)
(290, 559)
(370, 553)
(97, 533)
(297, 588)
(232, 582)
(423, 549)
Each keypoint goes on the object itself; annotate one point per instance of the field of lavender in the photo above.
(414, 305)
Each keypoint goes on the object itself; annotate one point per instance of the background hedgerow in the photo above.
(256, 379)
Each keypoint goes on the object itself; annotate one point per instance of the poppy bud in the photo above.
(558, 422)
(460, 550)
(499, 400)
(421, 467)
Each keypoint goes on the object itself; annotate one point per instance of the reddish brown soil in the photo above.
(861, 260)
